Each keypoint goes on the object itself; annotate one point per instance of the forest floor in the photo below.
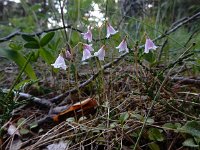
(106, 114)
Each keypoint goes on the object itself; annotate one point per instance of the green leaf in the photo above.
(150, 57)
(169, 125)
(32, 45)
(75, 37)
(54, 45)
(155, 134)
(47, 38)
(35, 56)
(19, 59)
(154, 146)
(22, 84)
(192, 127)
(21, 121)
(123, 117)
(36, 7)
(23, 131)
(29, 38)
(15, 46)
(46, 55)
(150, 121)
(33, 125)
(190, 143)
(137, 116)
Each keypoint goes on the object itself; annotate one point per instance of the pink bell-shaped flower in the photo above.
(87, 51)
(88, 46)
(149, 45)
(68, 54)
(110, 30)
(88, 35)
(60, 63)
(100, 53)
(86, 54)
(123, 46)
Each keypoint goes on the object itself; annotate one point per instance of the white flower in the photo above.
(101, 53)
(110, 30)
(60, 63)
(149, 45)
(87, 35)
(123, 46)
(86, 54)
(88, 46)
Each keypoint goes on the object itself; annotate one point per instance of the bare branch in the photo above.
(183, 80)
(180, 23)
(16, 33)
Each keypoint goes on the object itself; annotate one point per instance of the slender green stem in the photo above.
(106, 13)
(19, 76)
(63, 22)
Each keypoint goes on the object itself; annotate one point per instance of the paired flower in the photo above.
(100, 53)
(123, 46)
(68, 54)
(88, 46)
(87, 51)
(149, 45)
(88, 35)
(110, 30)
(60, 63)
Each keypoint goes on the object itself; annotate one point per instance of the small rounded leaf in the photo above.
(29, 38)
(32, 45)
(23, 131)
(47, 38)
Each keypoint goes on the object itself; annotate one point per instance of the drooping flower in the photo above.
(88, 46)
(110, 30)
(88, 35)
(86, 54)
(100, 53)
(68, 54)
(60, 63)
(149, 45)
(123, 46)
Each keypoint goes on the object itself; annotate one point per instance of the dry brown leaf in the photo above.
(84, 107)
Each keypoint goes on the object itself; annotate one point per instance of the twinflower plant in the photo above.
(87, 51)
(60, 63)
(123, 46)
(100, 53)
(88, 35)
(110, 30)
(149, 45)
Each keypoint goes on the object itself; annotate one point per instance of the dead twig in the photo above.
(180, 23)
(183, 80)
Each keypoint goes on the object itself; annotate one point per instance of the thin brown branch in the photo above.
(183, 80)
(180, 24)
(41, 102)
(17, 33)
